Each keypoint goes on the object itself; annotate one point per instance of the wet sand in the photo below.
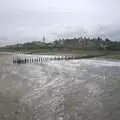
(67, 90)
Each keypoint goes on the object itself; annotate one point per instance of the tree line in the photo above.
(98, 43)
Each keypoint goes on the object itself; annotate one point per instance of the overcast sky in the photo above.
(27, 20)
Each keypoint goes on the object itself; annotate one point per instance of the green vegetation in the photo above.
(112, 55)
(75, 46)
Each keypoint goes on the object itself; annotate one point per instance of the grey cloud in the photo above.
(22, 20)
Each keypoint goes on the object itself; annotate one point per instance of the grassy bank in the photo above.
(112, 55)
(72, 52)
(97, 53)
(78, 52)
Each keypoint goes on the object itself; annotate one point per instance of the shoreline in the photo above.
(107, 56)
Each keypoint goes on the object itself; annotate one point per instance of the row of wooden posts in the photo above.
(25, 60)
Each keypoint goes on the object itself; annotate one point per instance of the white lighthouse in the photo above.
(43, 39)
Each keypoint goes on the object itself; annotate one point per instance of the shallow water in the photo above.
(70, 90)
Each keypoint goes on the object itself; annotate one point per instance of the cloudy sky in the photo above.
(28, 20)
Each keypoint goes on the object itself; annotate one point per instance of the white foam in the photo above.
(101, 63)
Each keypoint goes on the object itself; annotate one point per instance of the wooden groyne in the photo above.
(39, 59)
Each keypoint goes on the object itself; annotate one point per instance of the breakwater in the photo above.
(24, 59)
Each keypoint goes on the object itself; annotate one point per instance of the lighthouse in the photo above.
(43, 39)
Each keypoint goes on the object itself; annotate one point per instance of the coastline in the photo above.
(107, 56)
